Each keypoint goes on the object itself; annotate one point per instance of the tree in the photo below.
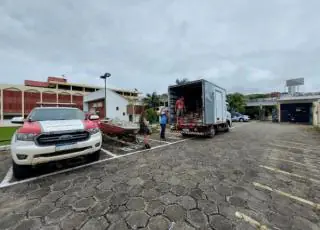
(164, 99)
(236, 102)
(181, 81)
(151, 115)
(152, 100)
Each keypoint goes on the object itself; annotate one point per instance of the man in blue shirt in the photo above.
(163, 123)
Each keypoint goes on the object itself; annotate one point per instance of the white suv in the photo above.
(53, 134)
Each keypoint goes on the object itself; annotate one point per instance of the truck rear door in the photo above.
(220, 104)
(208, 102)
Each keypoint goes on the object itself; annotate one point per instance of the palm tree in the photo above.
(164, 99)
(181, 81)
(152, 100)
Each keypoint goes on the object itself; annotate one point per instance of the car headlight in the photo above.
(25, 136)
(94, 130)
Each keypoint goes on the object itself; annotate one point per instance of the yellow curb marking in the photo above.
(251, 221)
(289, 174)
(314, 205)
(293, 162)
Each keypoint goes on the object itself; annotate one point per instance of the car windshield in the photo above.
(56, 114)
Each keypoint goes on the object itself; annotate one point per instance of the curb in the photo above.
(4, 148)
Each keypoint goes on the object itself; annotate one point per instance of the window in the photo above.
(117, 108)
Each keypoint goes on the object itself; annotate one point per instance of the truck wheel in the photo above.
(94, 156)
(227, 128)
(212, 132)
(21, 171)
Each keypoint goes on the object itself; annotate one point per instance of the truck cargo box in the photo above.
(205, 103)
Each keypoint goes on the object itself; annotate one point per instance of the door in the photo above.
(219, 106)
(208, 102)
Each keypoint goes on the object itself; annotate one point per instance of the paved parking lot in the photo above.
(260, 175)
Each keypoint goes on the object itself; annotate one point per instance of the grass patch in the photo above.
(5, 134)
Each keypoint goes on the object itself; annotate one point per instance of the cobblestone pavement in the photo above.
(260, 175)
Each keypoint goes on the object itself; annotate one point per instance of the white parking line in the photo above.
(7, 177)
(289, 174)
(87, 165)
(108, 152)
(251, 221)
(314, 205)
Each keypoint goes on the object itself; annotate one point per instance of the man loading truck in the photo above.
(180, 108)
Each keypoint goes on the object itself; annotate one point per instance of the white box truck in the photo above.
(205, 108)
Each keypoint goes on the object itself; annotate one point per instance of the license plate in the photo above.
(65, 147)
(185, 130)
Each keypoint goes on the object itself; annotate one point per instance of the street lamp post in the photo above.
(104, 77)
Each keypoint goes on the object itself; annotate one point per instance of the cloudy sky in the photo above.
(245, 46)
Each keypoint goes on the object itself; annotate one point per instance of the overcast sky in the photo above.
(246, 46)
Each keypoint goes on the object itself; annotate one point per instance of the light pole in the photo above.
(104, 77)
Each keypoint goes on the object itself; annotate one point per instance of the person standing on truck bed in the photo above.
(180, 107)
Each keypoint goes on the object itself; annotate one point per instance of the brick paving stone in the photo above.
(155, 207)
(98, 223)
(29, 224)
(121, 224)
(197, 218)
(83, 204)
(208, 207)
(52, 197)
(10, 220)
(42, 210)
(182, 226)
(136, 203)
(138, 219)
(50, 227)
(220, 222)
(169, 198)
(119, 199)
(158, 223)
(76, 220)
(175, 212)
(57, 215)
(187, 202)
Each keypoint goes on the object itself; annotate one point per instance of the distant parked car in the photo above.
(239, 117)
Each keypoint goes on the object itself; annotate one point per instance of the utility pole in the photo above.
(104, 77)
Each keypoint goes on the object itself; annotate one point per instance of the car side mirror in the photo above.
(94, 117)
(17, 120)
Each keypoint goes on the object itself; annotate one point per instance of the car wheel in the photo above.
(21, 171)
(241, 119)
(94, 156)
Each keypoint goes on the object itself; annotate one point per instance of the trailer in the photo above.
(205, 108)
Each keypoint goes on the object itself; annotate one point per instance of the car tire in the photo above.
(94, 156)
(241, 120)
(21, 171)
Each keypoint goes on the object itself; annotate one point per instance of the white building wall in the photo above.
(116, 104)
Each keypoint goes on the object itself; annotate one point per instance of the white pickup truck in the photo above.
(51, 134)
